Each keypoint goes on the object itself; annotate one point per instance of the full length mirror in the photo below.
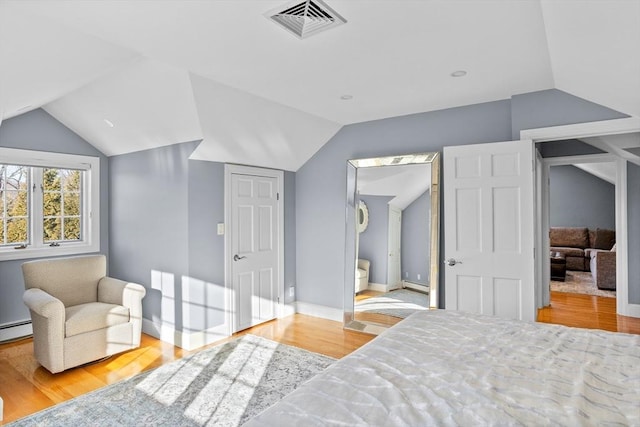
(392, 239)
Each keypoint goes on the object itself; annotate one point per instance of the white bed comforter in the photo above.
(449, 368)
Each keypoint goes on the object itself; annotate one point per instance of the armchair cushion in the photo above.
(92, 316)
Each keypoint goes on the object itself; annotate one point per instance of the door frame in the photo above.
(231, 169)
(544, 220)
(585, 130)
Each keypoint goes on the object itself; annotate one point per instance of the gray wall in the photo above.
(165, 209)
(150, 226)
(416, 239)
(579, 199)
(633, 224)
(37, 130)
(320, 209)
(373, 242)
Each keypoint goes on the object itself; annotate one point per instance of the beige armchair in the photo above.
(362, 275)
(79, 315)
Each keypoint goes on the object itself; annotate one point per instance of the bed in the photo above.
(442, 367)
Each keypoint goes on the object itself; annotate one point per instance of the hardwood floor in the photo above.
(26, 387)
(587, 311)
(380, 319)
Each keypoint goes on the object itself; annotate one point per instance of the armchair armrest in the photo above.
(43, 304)
(47, 318)
(603, 269)
(115, 291)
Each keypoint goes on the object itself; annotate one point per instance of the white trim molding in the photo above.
(321, 311)
(36, 247)
(187, 341)
(583, 130)
(15, 330)
(379, 287)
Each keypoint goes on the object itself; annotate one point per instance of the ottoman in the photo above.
(558, 266)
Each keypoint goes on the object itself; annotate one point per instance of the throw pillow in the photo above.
(605, 239)
(613, 249)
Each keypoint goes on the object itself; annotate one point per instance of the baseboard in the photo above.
(288, 309)
(321, 311)
(187, 341)
(15, 330)
(633, 310)
(379, 287)
(416, 286)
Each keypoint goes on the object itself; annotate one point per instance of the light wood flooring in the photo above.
(27, 388)
(377, 318)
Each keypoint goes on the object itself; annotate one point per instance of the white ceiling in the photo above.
(173, 71)
(405, 183)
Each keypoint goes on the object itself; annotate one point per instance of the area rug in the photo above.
(222, 386)
(580, 282)
(398, 303)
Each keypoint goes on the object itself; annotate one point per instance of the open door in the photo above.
(489, 229)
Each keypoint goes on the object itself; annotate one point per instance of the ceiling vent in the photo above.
(305, 18)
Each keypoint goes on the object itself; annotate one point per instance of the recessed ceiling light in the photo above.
(346, 97)
(459, 73)
(109, 123)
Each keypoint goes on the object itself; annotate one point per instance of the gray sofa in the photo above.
(576, 243)
(603, 267)
(588, 250)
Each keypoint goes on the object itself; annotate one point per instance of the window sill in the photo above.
(44, 252)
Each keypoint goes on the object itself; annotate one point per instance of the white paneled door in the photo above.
(489, 229)
(394, 272)
(254, 249)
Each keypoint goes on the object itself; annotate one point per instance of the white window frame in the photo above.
(90, 211)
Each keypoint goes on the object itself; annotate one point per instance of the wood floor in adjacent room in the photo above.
(27, 388)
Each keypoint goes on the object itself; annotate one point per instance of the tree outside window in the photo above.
(61, 204)
(14, 204)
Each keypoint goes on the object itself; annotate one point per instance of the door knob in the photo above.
(451, 262)
(238, 258)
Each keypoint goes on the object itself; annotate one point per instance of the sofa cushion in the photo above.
(575, 237)
(604, 239)
(361, 273)
(93, 316)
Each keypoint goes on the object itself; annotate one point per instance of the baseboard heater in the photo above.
(12, 331)
(416, 286)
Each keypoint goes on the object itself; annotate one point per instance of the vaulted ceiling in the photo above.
(133, 75)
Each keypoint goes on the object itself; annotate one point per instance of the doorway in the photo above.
(254, 235)
(580, 219)
(624, 154)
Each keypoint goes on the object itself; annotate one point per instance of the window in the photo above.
(49, 204)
